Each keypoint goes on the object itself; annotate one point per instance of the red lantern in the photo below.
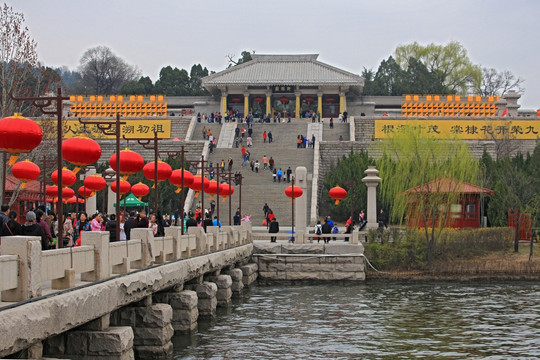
(164, 171)
(74, 199)
(52, 191)
(236, 100)
(95, 182)
(19, 135)
(296, 193)
(176, 179)
(197, 183)
(258, 100)
(338, 193)
(284, 100)
(81, 151)
(330, 99)
(130, 162)
(211, 189)
(140, 190)
(86, 192)
(67, 193)
(225, 190)
(68, 177)
(124, 186)
(308, 100)
(25, 171)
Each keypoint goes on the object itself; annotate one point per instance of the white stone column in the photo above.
(111, 196)
(300, 205)
(371, 181)
(91, 202)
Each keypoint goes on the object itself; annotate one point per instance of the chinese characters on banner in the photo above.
(464, 129)
(133, 129)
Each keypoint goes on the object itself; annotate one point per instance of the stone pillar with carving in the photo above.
(371, 181)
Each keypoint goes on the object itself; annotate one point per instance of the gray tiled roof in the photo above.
(283, 69)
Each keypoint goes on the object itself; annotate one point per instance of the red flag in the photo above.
(505, 112)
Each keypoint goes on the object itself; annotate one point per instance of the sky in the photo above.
(349, 34)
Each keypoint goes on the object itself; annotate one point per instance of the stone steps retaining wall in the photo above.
(309, 262)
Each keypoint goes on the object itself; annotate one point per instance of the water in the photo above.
(434, 320)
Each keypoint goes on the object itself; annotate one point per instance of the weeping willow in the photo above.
(420, 178)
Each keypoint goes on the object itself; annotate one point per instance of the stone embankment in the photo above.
(312, 262)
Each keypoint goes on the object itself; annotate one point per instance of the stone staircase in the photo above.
(259, 188)
(215, 128)
(339, 129)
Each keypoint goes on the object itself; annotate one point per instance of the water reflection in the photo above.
(374, 320)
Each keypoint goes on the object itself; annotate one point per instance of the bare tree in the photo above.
(499, 83)
(18, 59)
(103, 72)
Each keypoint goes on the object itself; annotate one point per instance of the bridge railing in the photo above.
(24, 267)
(302, 238)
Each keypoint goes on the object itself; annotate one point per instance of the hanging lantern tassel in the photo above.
(211, 197)
(125, 178)
(223, 198)
(13, 159)
(337, 202)
(23, 185)
(153, 186)
(197, 193)
(92, 193)
(76, 170)
(178, 190)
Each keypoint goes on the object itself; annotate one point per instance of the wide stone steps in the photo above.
(340, 129)
(259, 188)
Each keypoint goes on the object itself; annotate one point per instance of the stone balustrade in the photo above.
(24, 267)
(302, 238)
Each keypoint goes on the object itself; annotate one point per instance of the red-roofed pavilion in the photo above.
(465, 213)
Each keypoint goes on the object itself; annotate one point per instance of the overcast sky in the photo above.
(349, 34)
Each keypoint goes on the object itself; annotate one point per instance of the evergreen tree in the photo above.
(348, 168)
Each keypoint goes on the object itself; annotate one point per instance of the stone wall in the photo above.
(311, 262)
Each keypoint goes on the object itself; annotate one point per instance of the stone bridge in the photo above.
(116, 300)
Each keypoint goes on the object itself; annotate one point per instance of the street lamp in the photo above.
(43, 102)
(111, 127)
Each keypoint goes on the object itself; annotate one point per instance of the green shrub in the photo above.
(398, 249)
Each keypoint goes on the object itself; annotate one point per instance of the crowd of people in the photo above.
(45, 225)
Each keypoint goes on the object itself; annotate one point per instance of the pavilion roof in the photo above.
(30, 192)
(447, 184)
(283, 69)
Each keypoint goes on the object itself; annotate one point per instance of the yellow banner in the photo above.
(464, 129)
(132, 129)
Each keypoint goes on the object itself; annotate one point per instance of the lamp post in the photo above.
(45, 162)
(108, 175)
(43, 102)
(111, 127)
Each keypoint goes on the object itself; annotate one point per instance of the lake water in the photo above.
(382, 320)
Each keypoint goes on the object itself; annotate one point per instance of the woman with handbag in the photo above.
(12, 227)
(68, 231)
